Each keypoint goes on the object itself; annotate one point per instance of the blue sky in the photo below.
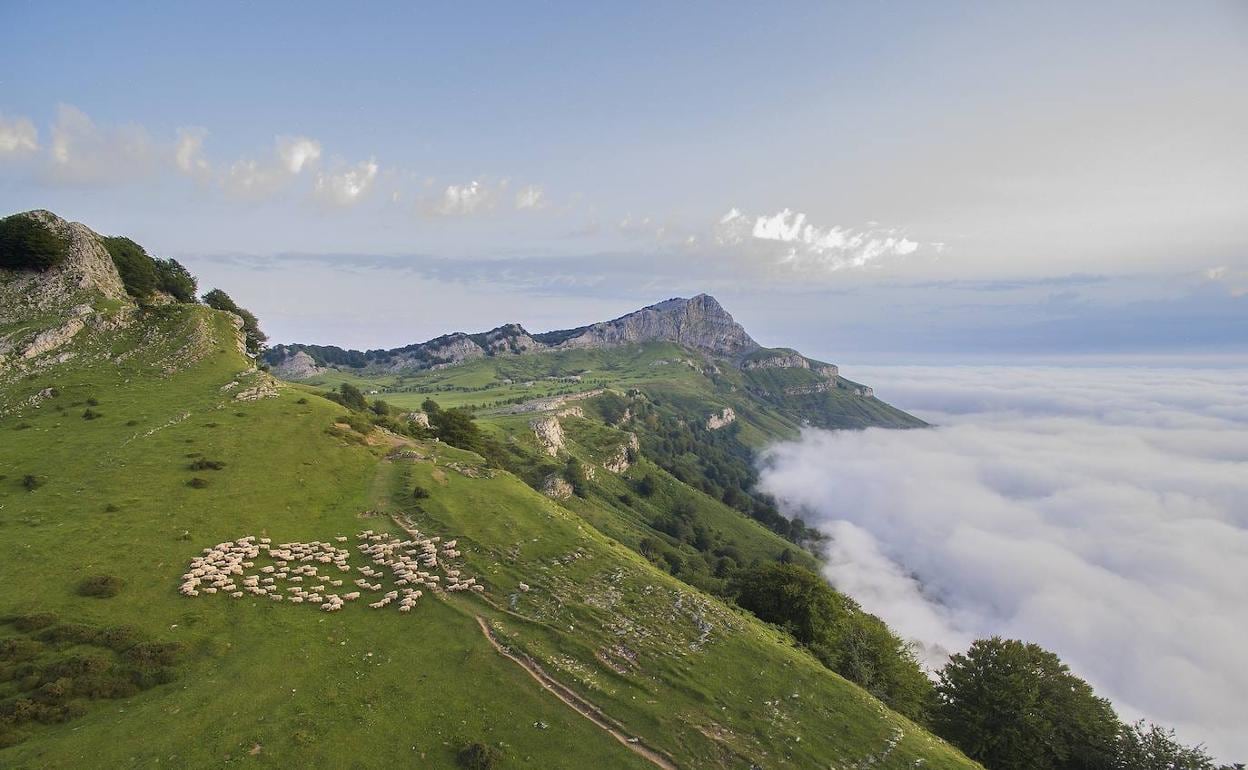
(857, 179)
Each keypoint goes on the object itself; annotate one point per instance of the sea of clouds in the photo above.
(1099, 512)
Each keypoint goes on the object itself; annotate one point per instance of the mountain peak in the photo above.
(698, 322)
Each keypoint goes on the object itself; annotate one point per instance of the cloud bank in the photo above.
(1102, 513)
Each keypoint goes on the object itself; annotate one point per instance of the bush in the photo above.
(137, 269)
(28, 244)
(197, 483)
(203, 464)
(91, 414)
(101, 586)
(419, 492)
(479, 756)
(31, 482)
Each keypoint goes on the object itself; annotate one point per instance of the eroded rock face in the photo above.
(549, 434)
(555, 486)
(786, 359)
(51, 339)
(620, 462)
(700, 323)
(725, 418)
(418, 418)
(297, 366)
(87, 273)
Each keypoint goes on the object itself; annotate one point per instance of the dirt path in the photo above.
(576, 702)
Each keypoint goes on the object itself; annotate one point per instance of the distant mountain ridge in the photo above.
(699, 323)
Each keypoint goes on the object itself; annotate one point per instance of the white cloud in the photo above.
(296, 152)
(1097, 512)
(18, 136)
(346, 187)
(530, 197)
(188, 152)
(471, 198)
(249, 180)
(81, 152)
(790, 239)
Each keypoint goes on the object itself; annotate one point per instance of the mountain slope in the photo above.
(172, 399)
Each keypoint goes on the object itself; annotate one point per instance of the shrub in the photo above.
(302, 401)
(419, 492)
(204, 464)
(101, 586)
(478, 756)
(91, 414)
(31, 482)
(28, 244)
(197, 483)
(93, 402)
(33, 621)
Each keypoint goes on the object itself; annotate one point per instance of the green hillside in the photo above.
(147, 436)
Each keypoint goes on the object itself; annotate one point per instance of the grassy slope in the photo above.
(365, 687)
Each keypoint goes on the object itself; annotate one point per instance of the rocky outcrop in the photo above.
(700, 323)
(556, 487)
(417, 418)
(51, 339)
(778, 359)
(549, 434)
(723, 419)
(297, 366)
(86, 274)
(806, 390)
(864, 391)
(621, 460)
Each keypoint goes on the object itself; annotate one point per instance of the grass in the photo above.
(263, 682)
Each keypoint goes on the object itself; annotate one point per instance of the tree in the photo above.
(351, 397)
(137, 270)
(855, 644)
(1144, 746)
(219, 300)
(1013, 705)
(174, 279)
(28, 244)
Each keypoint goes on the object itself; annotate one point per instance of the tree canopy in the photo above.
(219, 300)
(137, 269)
(28, 244)
(1009, 704)
(855, 644)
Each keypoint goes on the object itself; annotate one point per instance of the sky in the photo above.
(1097, 511)
(859, 179)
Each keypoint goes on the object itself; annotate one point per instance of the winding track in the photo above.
(576, 702)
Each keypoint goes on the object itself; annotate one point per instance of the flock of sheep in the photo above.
(305, 572)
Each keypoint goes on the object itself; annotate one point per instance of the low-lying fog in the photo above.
(1101, 513)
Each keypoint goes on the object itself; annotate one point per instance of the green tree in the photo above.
(28, 244)
(1146, 746)
(351, 397)
(255, 339)
(1016, 706)
(174, 279)
(855, 644)
(137, 269)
